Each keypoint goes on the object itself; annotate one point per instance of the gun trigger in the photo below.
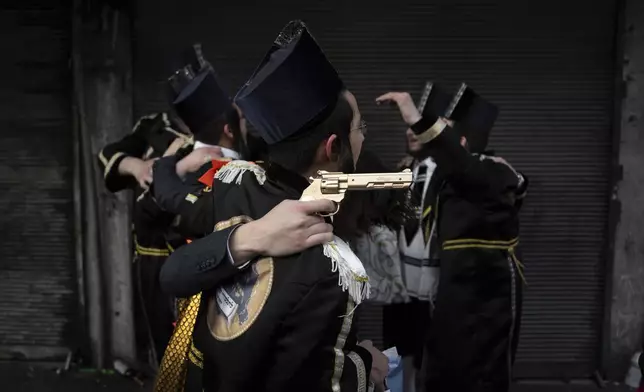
(337, 208)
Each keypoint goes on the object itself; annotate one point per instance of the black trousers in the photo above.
(474, 334)
(154, 310)
(405, 326)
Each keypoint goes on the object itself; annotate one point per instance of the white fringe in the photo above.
(357, 284)
(234, 171)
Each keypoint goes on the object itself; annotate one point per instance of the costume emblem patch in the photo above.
(235, 307)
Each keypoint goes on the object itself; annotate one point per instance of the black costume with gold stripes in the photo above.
(150, 138)
(283, 324)
(474, 328)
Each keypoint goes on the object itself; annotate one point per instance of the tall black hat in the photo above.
(474, 117)
(294, 85)
(434, 101)
(193, 56)
(192, 64)
(201, 101)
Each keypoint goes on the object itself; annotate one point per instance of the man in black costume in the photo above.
(182, 186)
(284, 323)
(474, 327)
(127, 164)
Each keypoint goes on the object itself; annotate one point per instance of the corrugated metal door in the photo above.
(37, 265)
(547, 64)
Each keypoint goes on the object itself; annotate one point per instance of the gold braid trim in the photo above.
(435, 130)
(180, 350)
(477, 243)
(338, 350)
(174, 365)
(361, 371)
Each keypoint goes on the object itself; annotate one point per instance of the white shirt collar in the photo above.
(226, 152)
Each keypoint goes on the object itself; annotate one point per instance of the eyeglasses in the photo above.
(362, 127)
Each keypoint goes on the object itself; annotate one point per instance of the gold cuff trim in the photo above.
(435, 130)
(102, 158)
(141, 119)
(234, 221)
(110, 163)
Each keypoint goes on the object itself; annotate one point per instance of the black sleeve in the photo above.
(170, 191)
(191, 201)
(463, 169)
(522, 190)
(109, 158)
(198, 266)
(303, 330)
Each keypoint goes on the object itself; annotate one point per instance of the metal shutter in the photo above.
(547, 64)
(37, 263)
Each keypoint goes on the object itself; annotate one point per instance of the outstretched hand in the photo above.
(405, 103)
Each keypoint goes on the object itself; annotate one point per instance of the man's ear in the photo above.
(331, 148)
(228, 132)
(464, 141)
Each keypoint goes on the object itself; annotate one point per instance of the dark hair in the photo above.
(212, 131)
(297, 152)
(363, 209)
(232, 119)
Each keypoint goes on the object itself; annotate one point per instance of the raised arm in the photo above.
(472, 172)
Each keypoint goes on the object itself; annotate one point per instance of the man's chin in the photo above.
(414, 153)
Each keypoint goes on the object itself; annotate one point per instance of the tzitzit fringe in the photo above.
(234, 171)
(357, 284)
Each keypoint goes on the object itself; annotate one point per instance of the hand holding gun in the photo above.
(333, 185)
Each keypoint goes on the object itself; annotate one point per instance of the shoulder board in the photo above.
(234, 171)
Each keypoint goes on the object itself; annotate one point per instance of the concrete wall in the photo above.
(104, 88)
(626, 328)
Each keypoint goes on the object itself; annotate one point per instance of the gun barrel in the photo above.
(339, 182)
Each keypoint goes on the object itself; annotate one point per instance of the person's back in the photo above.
(474, 328)
(286, 323)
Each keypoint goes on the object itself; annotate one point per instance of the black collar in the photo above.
(286, 177)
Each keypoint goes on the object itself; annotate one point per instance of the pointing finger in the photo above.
(319, 228)
(392, 97)
(315, 206)
(318, 239)
(385, 97)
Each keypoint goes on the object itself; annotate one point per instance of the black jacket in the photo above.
(475, 207)
(283, 324)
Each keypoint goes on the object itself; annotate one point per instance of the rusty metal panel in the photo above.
(37, 265)
(549, 66)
